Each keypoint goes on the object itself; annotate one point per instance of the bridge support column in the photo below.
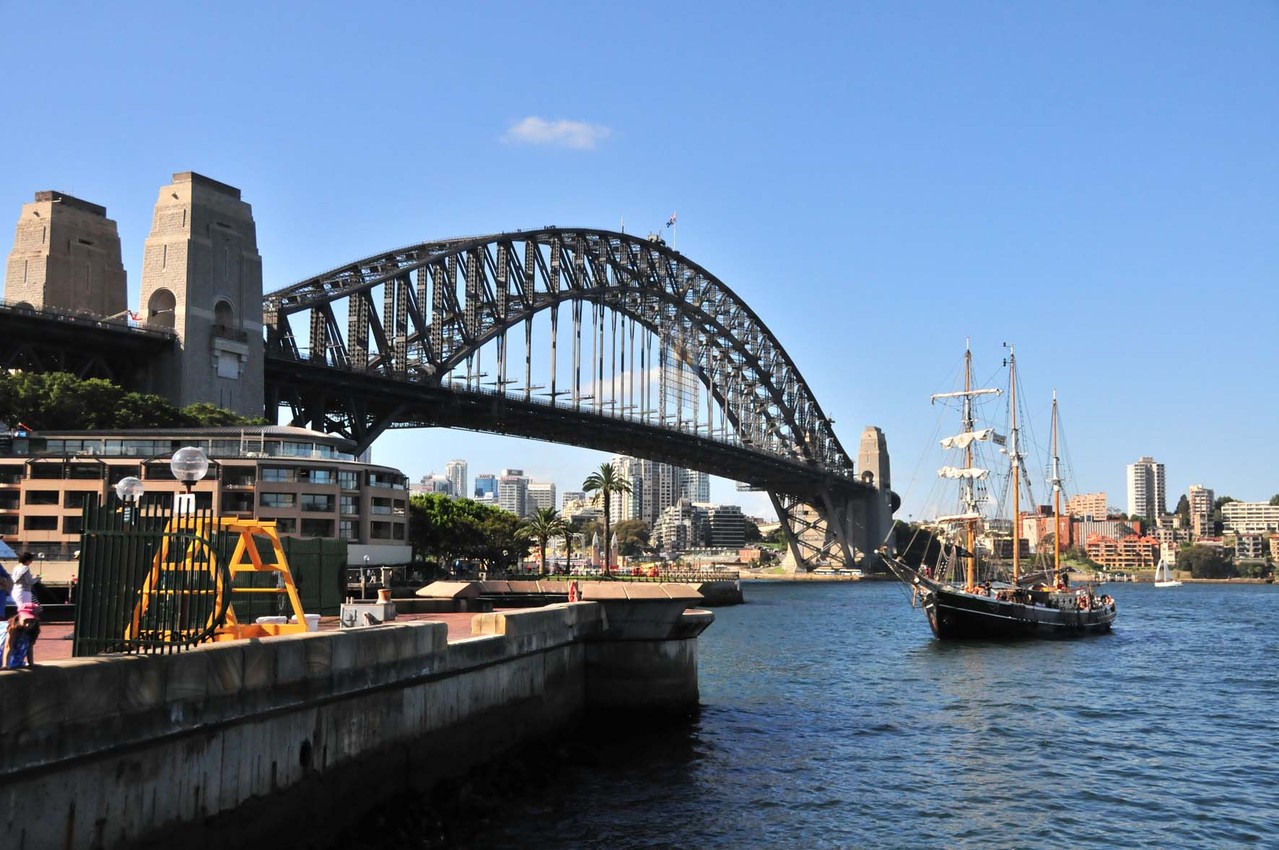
(202, 277)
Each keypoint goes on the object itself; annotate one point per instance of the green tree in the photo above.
(448, 530)
(604, 482)
(542, 526)
(1205, 562)
(1274, 500)
(1183, 508)
(752, 532)
(205, 415)
(59, 401)
(500, 544)
(632, 537)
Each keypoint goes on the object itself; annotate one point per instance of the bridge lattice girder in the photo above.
(417, 314)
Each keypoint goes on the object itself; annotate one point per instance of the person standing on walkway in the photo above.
(18, 638)
(24, 581)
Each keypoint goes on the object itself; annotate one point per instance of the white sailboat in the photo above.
(1163, 575)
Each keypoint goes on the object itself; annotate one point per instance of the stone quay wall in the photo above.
(291, 738)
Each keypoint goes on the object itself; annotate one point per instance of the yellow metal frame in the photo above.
(244, 559)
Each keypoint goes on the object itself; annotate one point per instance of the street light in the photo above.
(189, 465)
(129, 490)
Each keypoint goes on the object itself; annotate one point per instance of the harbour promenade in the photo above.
(229, 742)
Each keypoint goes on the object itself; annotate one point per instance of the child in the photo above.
(17, 640)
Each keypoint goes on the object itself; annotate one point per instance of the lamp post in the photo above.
(364, 577)
(189, 465)
(129, 490)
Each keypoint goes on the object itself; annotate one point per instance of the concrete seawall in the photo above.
(288, 739)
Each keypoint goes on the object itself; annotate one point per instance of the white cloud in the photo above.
(563, 133)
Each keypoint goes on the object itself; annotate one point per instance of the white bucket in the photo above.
(272, 621)
(312, 621)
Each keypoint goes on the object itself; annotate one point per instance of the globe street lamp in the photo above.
(129, 490)
(189, 466)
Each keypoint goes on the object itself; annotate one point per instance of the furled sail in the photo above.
(969, 517)
(972, 472)
(964, 440)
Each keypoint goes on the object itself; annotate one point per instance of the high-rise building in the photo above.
(571, 496)
(1146, 495)
(654, 487)
(486, 487)
(455, 472)
(432, 483)
(725, 527)
(1087, 506)
(1201, 499)
(541, 494)
(512, 492)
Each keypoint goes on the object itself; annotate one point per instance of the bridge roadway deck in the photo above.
(55, 638)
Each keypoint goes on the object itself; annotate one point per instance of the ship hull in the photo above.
(956, 615)
(964, 616)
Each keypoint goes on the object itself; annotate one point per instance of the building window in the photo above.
(318, 476)
(292, 448)
(86, 471)
(77, 498)
(40, 523)
(72, 524)
(397, 531)
(9, 501)
(46, 471)
(276, 473)
(381, 507)
(276, 500)
(380, 530)
(350, 505)
(238, 476)
(10, 474)
(317, 527)
(349, 479)
(317, 503)
(115, 474)
(8, 525)
(386, 479)
(237, 503)
(348, 530)
(286, 525)
(42, 497)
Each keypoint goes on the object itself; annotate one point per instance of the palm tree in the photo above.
(542, 526)
(604, 482)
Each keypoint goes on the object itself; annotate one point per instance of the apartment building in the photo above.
(310, 484)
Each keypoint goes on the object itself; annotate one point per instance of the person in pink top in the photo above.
(18, 638)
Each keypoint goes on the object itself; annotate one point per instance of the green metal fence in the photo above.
(150, 580)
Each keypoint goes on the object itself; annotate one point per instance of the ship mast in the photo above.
(969, 474)
(970, 503)
(1056, 483)
(1016, 462)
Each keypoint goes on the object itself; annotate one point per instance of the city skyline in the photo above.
(1093, 183)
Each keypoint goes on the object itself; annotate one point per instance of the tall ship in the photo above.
(966, 596)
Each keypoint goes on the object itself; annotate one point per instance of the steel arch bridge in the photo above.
(656, 358)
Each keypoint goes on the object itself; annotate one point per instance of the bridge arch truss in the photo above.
(599, 327)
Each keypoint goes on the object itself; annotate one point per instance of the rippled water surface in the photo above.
(832, 718)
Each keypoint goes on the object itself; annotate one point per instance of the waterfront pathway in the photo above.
(55, 638)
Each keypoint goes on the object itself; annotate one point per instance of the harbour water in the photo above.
(831, 718)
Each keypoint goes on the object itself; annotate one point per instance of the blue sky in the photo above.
(1096, 182)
